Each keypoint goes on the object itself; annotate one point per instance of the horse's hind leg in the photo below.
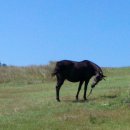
(58, 86)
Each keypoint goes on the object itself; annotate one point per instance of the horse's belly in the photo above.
(75, 79)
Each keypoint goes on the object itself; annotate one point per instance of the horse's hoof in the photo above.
(58, 100)
(85, 99)
(77, 98)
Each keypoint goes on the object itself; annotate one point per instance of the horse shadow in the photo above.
(90, 99)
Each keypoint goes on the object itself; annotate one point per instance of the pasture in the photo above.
(31, 104)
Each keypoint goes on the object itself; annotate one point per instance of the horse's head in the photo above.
(98, 77)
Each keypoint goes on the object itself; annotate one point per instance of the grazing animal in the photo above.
(77, 72)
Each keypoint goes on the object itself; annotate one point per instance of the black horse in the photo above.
(77, 72)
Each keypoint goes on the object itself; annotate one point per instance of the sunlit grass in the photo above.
(33, 106)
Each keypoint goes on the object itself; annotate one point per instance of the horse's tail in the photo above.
(54, 72)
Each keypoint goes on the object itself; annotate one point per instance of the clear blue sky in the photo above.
(34, 32)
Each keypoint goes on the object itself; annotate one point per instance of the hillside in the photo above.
(27, 101)
(42, 73)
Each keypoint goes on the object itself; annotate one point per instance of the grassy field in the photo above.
(32, 106)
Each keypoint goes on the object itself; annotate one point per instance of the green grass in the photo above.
(25, 106)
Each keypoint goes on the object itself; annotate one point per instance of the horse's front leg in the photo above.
(85, 89)
(79, 88)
